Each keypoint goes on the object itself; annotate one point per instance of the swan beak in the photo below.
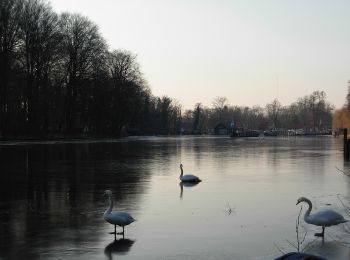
(297, 202)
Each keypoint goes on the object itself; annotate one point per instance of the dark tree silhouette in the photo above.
(128, 88)
(81, 43)
(59, 79)
(10, 12)
(39, 38)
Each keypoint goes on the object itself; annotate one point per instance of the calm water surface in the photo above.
(51, 202)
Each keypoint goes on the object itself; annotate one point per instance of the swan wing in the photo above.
(325, 217)
(119, 218)
(190, 177)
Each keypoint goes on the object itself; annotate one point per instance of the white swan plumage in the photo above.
(116, 218)
(324, 217)
(188, 177)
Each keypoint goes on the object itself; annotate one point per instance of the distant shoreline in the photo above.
(56, 138)
(75, 138)
(104, 137)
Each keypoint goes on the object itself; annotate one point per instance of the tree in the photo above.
(187, 122)
(220, 105)
(99, 96)
(80, 45)
(197, 116)
(175, 117)
(39, 40)
(10, 12)
(320, 110)
(164, 109)
(273, 111)
(128, 86)
(314, 111)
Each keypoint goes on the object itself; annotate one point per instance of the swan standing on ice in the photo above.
(116, 217)
(324, 218)
(188, 177)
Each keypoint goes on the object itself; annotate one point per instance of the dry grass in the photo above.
(341, 118)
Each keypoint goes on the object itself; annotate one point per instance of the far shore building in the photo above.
(221, 129)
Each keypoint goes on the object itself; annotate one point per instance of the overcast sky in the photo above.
(250, 51)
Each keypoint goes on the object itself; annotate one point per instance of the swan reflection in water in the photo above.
(119, 247)
(186, 184)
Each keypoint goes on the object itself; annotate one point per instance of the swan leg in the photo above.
(320, 234)
(121, 233)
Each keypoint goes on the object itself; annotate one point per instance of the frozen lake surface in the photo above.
(51, 202)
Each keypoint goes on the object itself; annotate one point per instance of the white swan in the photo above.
(116, 217)
(188, 177)
(324, 218)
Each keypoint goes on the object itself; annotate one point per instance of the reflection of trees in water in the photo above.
(118, 246)
(45, 188)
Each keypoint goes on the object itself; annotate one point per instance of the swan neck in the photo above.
(182, 172)
(109, 210)
(308, 211)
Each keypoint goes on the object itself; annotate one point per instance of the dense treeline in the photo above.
(311, 113)
(58, 78)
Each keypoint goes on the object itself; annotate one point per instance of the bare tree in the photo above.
(220, 102)
(175, 117)
(123, 67)
(127, 84)
(314, 112)
(321, 109)
(273, 112)
(220, 105)
(39, 40)
(197, 118)
(10, 12)
(81, 43)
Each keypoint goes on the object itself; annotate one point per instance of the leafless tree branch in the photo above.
(345, 173)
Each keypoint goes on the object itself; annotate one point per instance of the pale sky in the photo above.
(250, 51)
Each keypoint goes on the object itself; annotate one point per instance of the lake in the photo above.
(51, 203)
